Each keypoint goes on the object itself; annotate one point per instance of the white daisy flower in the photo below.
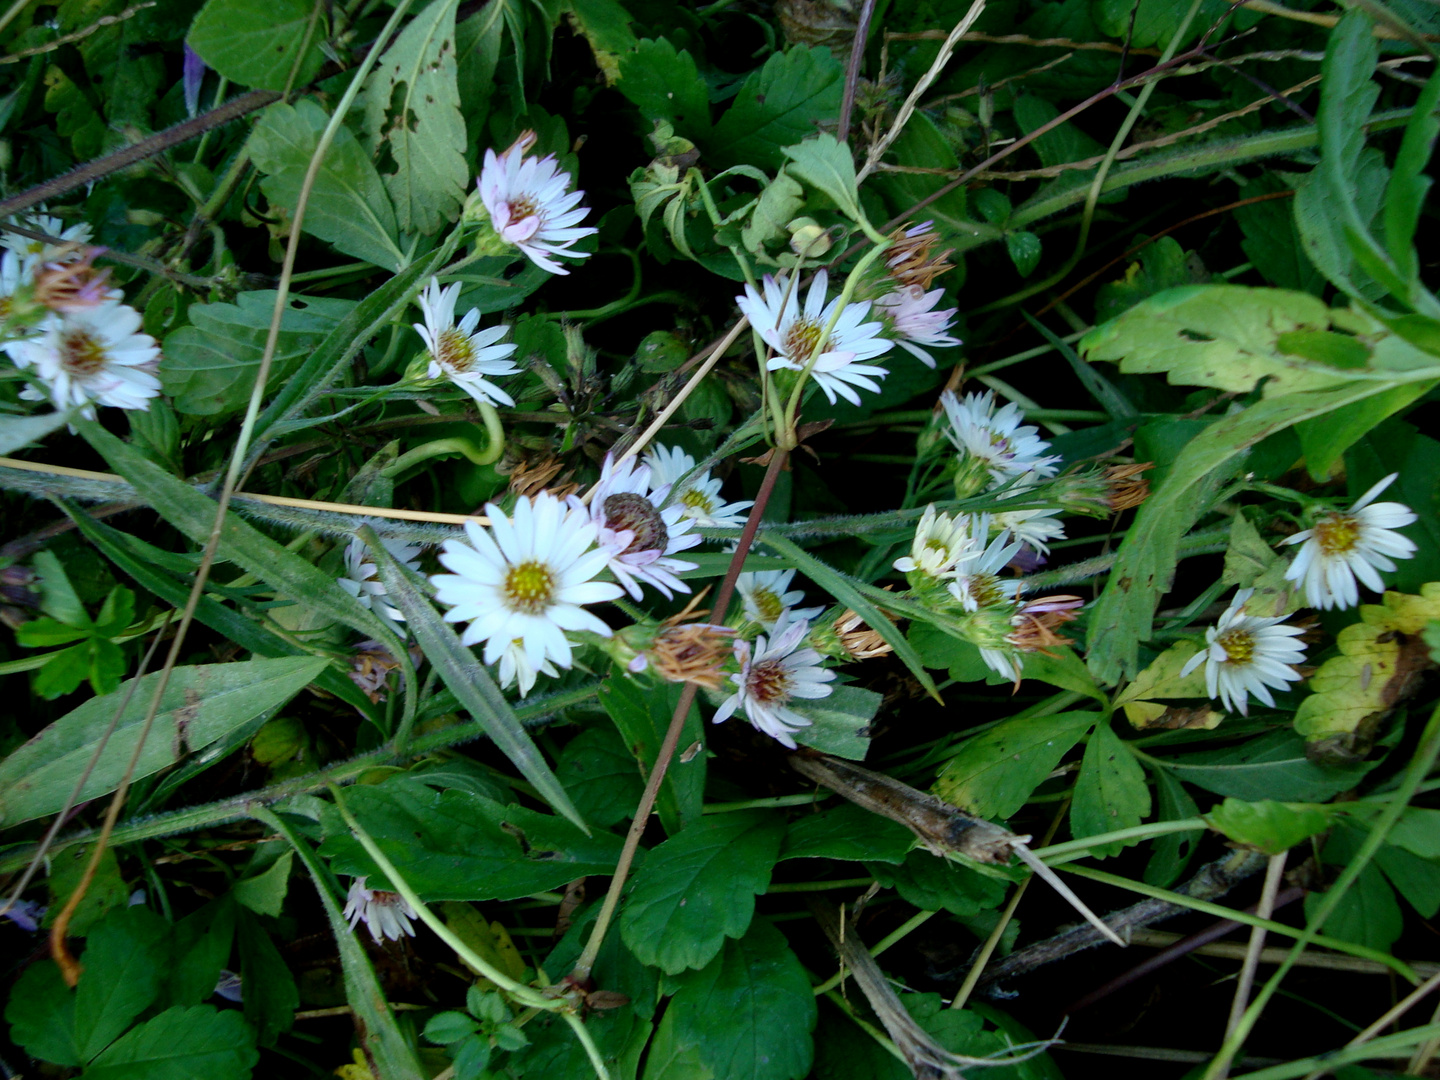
(636, 535)
(766, 597)
(514, 667)
(458, 353)
(996, 440)
(528, 205)
(362, 576)
(699, 497)
(93, 355)
(385, 914)
(771, 675)
(1344, 546)
(978, 584)
(942, 544)
(1246, 654)
(16, 273)
(38, 251)
(913, 322)
(794, 333)
(525, 580)
(1034, 528)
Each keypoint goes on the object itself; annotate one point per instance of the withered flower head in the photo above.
(1035, 623)
(529, 478)
(68, 286)
(1128, 489)
(859, 641)
(691, 652)
(909, 258)
(370, 669)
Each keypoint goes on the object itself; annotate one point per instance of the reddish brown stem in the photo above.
(581, 974)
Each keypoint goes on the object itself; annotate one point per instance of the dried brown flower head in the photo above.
(691, 652)
(1035, 623)
(1128, 489)
(909, 257)
(859, 641)
(529, 478)
(73, 285)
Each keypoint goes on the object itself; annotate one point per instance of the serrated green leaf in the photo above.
(452, 845)
(1110, 792)
(777, 106)
(209, 366)
(413, 123)
(255, 45)
(126, 955)
(642, 715)
(826, 164)
(601, 775)
(181, 1044)
(934, 884)
(200, 706)
(1269, 826)
(605, 24)
(41, 1014)
(468, 680)
(664, 84)
(265, 893)
(997, 770)
(349, 205)
(750, 1011)
(698, 888)
(201, 944)
(271, 997)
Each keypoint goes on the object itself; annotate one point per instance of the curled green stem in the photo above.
(458, 444)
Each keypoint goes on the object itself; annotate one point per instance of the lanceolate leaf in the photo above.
(18, 431)
(1409, 185)
(468, 680)
(201, 705)
(413, 122)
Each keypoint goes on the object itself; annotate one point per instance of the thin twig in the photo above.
(1235, 950)
(78, 35)
(852, 69)
(1274, 873)
(1022, 39)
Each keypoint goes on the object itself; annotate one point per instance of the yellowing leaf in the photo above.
(1381, 658)
(1162, 681)
(490, 940)
(1251, 563)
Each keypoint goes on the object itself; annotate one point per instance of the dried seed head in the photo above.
(691, 652)
(1035, 623)
(909, 257)
(75, 285)
(1128, 489)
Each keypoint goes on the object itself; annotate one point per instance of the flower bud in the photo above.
(808, 239)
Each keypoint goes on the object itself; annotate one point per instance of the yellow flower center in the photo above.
(81, 355)
(802, 339)
(1337, 533)
(768, 604)
(986, 590)
(698, 500)
(454, 352)
(1239, 645)
(529, 587)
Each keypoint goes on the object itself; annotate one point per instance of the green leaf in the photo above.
(17, 432)
(200, 706)
(41, 1014)
(271, 997)
(413, 124)
(605, 24)
(1110, 793)
(1268, 826)
(393, 1054)
(193, 513)
(642, 715)
(1145, 563)
(450, 1027)
(1172, 852)
(840, 722)
(106, 892)
(1325, 441)
(1405, 197)
(996, 771)
(126, 956)
(1368, 914)
(601, 775)
(1272, 241)
(777, 106)
(349, 206)
(1273, 766)
(1418, 831)
(1154, 21)
(209, 366)
(669, 1059)
(665, 85)
(1061, 144)
(58, 597)
(452, 845)
(181, 1044)
(1229, 337)
(1416, 879)
(200, 950)
(468, 680)
(777, 205)
(1024, 249)
(750, 1011)
(826, 164)
(265, 893)
(847, 832)
(933, 884)
(44, 632)
(256, 44)
(698, 888)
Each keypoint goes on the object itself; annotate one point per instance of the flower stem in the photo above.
(586, 963)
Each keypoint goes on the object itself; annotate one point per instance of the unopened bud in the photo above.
(808, 238)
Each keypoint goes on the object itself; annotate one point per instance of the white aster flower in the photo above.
(637, 536)
(978, 583)
(699, 497)
(460, 354)
(943, 544)
(794, 334)
(914, 322)
(771, 675)
(996, 440)
(385, 914)
(515, 668)
(1246, 654)
(766, 597)
(1035, 528)
(92, 355)
(525, 580)
(1343, 547)
(528, 205)
(362, 576)
(38, 251)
